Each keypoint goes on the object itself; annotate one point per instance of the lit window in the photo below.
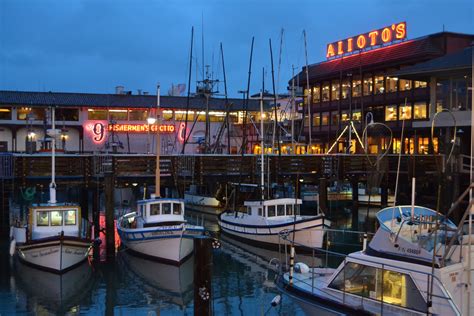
(56, 218)
(118, 115)
(325, 91)
(419, 109)
(325, 118)
(378, 85)
(5, 113)
(95, 114)
(138, 115)
(420, 84)
(70, 217)
(289, 210)
(368, 84)
(167, 115)
(396, 146)
(391, 84)
(24, 113)
(345, 116)
(316, 93)
(423, 145)
(409, 146)
(346, 88)
(404, 112)
(335, 89)
(316, 119)
(42, 218)
(391, 113)
(357, 115)
(356, 86)
(177, 208)
(155, 209)
(334, 118)
(271, 211)
(307, 96)
(405, 85)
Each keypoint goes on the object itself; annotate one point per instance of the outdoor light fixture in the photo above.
(151, 120)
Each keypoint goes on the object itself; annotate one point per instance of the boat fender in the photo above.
(12, 247)
(276, 300)
(301, 267)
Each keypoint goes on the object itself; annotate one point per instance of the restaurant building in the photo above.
(373, 77)
(124, 122)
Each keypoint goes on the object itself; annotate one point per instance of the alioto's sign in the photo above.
(386, 35)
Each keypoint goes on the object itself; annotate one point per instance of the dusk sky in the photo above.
(93, 46)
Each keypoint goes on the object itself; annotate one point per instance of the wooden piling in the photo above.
(109, 216)
(96, 221)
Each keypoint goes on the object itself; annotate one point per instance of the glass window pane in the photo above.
(346, 88)
(5, 113)
(419, 110)
(138, 115)
(379, 84)
(155, 209)
(56, 218)
(297, 209)
(357, 115)
(289, 209)
(307, 96)
(334, 118)
(358, 279)
(391, 84)
(420, 84)
(326, 91)
(335, 87)
(95, 114)
(167, 115)
(70, 217)
(118, 115)
(391, 113)
(356, 86)
(271, 211)
(316, 93)
(405, 85)
(368, 84)
(345, 115)
(325, 118)
(404, 112)
(177, 208)
(63, 114)
(166, 208)
(316, 119)
(260, 211)
(24, 113)
(281, 210)
(42, 218)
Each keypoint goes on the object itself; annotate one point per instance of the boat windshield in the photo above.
(56, 217)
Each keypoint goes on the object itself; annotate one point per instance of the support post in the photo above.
(96, 221)
(109, 216)
(323, 195)
(202, 276)
(355, 204)
(384, 192)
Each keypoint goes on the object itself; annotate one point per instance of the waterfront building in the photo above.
(124, 122)
(376, 73)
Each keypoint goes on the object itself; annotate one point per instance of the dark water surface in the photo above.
(241, 285)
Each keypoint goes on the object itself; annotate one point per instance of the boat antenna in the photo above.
(158, 143)
(52, 134)
(275, 106)
(189, 92)
(262, 142)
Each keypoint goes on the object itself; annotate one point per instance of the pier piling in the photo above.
(355, 203)
(323, 195)
(202, 276)
(109, 216)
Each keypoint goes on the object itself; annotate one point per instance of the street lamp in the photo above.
(150, 120)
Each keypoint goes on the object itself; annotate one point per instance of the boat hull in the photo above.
(203, 204)
(308, 233)
(58, 254)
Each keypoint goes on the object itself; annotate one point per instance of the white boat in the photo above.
(158, 230)
(52, 237)
(201, 203)
(416, 264)
(265, 221)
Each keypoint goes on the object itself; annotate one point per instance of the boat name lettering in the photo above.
(44, 253)
(165, 232)
(74, 252)
(410, 250)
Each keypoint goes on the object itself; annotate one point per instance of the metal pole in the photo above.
(52, 185)
(262, 143)
(158, 142)
(309, 94)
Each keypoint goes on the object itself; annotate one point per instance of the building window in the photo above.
(316, 93)
(63, 114)
(37, 114)
(404, 112)
(334, 118)
(405, 85)
(378, 84)
(181, 115)
(396, 146)
(316, 119)
(167, 115)
(5, 113)
(357, 115)
(335, 90)
(420, 84)
(391, 84)
(137, 115)
(419, 110)
(118, 115)
(423, 145)
(368, 84)
(307, 96)
(356, 87)
(409, 146)
(345, 116)
(346, 88)
(391, 113)
(95, 114)
(325, 118)
(325, 91)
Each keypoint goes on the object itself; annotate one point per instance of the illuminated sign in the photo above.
(386, 35)
(141, 128)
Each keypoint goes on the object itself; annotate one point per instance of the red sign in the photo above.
(386, 35)
(141, 128)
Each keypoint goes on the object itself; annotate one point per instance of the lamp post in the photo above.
(150, 120)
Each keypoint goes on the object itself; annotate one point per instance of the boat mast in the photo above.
(262, 143)
(52, 185)
(308, 92)
(275, 125)
(293, 111)
(158, 143)
(469, 265)
(189, 93)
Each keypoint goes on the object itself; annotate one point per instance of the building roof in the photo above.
(410, 51)
(460, 62)
(64, 99)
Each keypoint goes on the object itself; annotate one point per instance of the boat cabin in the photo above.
(160, 210)
(50, 220)
(273, 208)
